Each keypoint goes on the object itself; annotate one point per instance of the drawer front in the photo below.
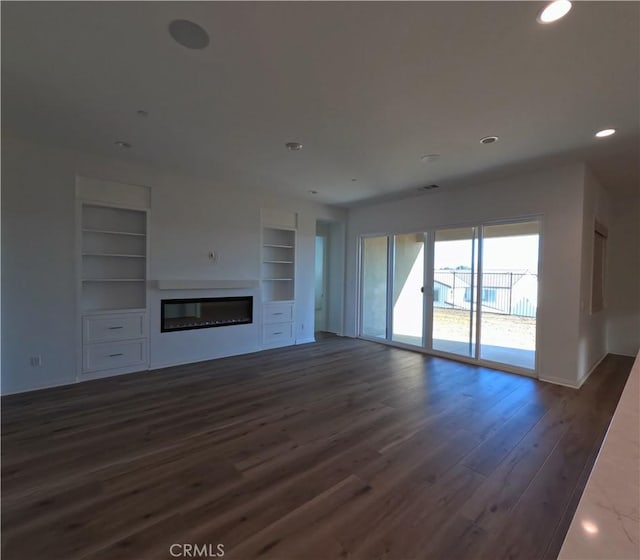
(113, 355)
(103, 328)
(277, 334)
(277, 313)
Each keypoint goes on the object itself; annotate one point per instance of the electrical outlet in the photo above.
(36, 361)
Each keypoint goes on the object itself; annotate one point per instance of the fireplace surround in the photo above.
(203, 313)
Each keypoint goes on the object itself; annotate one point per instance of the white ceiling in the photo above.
(368, 88)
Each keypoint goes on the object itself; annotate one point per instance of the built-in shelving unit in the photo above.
(113, 293)
(114, 248)
(278, 277)
(278, 264)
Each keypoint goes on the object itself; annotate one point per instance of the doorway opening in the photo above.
(329, 277)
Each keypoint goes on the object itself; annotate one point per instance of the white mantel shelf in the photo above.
(205, 284)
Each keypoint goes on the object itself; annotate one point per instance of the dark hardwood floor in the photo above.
(339, 449)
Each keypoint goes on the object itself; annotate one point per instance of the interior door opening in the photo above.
(321, 284)
(329, 277)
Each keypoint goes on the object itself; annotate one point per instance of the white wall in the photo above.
(555, 194)
(623, 276)
(189, 217)
(38, 268)
(592, 344)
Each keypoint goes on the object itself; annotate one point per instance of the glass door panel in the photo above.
(510, 293)
(455, 265)
(408, 279)
(374, 286)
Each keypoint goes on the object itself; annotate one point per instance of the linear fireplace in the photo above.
(203, 313)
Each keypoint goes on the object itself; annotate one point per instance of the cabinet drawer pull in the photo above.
(279, 332)
(114, 328)
(279, 313)
(114, 355)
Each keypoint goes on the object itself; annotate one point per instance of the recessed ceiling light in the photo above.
(428, 158)
(554, 11)
(488, 140)
(606, 132)
(293, 146)
(313, 192)
(188, 34)
(354, 179)
(122, 144)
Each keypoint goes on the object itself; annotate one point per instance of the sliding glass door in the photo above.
(455, 274)
(408, 282)
(466, 291)
(510, 293)
(375, 256)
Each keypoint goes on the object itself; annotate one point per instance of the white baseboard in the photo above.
(586, 375)
(573, 384)
(40, 388)
(560, 381)
(197, 359)
(305, 340)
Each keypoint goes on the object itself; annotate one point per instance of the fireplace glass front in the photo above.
(202, 313)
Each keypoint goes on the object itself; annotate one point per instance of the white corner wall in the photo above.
(38, 268)
(555, 194)
(189, 217)
(592, 343)
(623, 276)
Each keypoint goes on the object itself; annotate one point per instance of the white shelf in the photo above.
(113, 232)
(121, 255)
(114, 280)
(205, 284)
(113, 258)
(113, 272)
(278, 263)
(109, 311)
(278, 271)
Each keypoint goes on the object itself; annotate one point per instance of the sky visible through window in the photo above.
(500, 253)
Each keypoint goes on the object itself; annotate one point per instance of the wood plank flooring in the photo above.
(338, 449)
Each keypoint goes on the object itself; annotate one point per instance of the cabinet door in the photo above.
(278, 334)
(278, 313)
(114, 355)
(105, 328)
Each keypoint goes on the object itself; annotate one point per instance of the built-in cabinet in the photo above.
(278, 277)
(113, 247)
